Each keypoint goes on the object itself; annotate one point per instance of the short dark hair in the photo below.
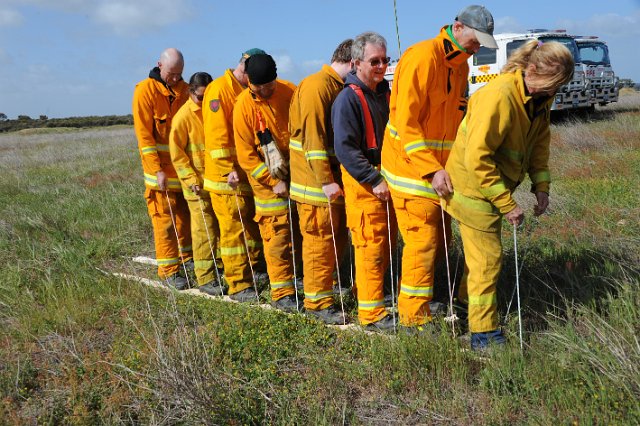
(199, 79)
(342, 54)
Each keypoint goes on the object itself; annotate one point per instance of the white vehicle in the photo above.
(601, 79)
(487, 63)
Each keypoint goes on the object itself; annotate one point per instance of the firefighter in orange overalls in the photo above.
(186, 145)
(228, 186)
(427, 105)
(155, 101)
(315, 182)
(358, 116)
(261, 133)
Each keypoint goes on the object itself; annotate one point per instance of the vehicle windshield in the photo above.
(567, 41)
(594, 53)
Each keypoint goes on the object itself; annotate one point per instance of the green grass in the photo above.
(81, 347)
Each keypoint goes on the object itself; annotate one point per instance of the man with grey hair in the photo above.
(427, 105)
(358, 116)
(155, 101)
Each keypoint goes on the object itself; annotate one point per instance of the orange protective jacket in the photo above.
(154, 106)
(220, 151)
(427, 105)
(275, 113)
(186, 145)
(313, 161)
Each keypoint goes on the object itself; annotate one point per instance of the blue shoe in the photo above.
(482, 341)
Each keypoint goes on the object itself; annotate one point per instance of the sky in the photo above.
(65, 58)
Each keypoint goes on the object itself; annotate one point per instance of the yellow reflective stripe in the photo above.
(369, 305)
(483, 299)
(295, 145)
(259, 171)
(222, 153)
(185, 172)
(162, 147)
(210, 185)
(542, 176)
(152, 181)
(308, 192)
(493, 190)
(280, 284)
(169, 261)
(271, 204)
(195, 147)
(416, 291)
(316, 155)
(236, 250)
(318, 295)
(475, 203)
(510, 153)
(149, 150)
(203, 264)
(410, 186)
(185, 249)
(392, 131)
(421, 145)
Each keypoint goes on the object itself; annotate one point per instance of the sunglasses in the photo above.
(379, 61)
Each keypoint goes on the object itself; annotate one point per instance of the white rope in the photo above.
(515, 251)
(522, 262)
(175, 230)
(293, 257)
(246, 245)
(393, 285)
(213, 255)
(452, 317)
(337, 268)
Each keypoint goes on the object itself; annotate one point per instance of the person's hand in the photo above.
(233, 180)
(381, 191)
(441, 183)
(515, 216)
(195, 188)
(162, 180)
(332, 190)
(543, 203)
(280, 189)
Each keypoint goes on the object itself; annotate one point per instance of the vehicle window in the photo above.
(594, 54)
(485, 56)
(514, 45)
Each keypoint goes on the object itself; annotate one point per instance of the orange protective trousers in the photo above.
(420, 223)
(482, 264)
(367, 220)
(319, 251)
(234, 239)
(276, 238)
(205, 236)
(170, 251)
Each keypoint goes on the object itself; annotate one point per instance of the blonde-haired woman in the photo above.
(504, 136)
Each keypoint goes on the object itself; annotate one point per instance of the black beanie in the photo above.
(261, 69)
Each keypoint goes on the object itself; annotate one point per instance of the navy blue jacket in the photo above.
(349, 131)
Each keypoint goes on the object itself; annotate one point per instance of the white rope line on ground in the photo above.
(246, 245)
(515, 252)
(337, 267)
(393, 288)
(213, 254)
(175, 230)
(293, 257)
(452, 317)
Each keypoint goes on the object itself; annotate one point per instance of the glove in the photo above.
(273, 159)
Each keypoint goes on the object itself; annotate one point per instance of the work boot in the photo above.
(483, 342)
(384, 325)
(246, 295)
(287, 304)
(189, 266)
(329, 315)
(177, 281)
(261, 278)
(437, 308)
(212, 288)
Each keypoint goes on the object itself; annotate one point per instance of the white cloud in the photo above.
(10, 18)
(126, 17)
(603, 25)
(284, 63)
(508, 24)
